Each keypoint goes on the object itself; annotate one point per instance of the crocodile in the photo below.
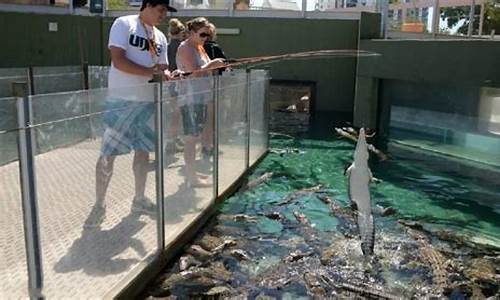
(359, 177)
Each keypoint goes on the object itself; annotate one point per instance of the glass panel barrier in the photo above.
(446, 140)
(188, 110)
(258, 115)
(55, 3)
(13, 266)
(96, 221)
(62, 112)
(98, 77)
(57, 79)
(8, 76)
(201, 4)
(341, 5)
(269, 5)
(8, 121)
(232, 128)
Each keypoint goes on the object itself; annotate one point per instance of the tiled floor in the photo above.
(88, 263)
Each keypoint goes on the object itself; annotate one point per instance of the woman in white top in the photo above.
(191, 56)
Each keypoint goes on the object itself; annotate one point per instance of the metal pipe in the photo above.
(158, 100)
(267, 109)
(470, 28)
(247, 118)
(436, 12)
(216, 134)
(86, 86)
(31, 81)
(27, 149)
(384, 17)
(481, 20)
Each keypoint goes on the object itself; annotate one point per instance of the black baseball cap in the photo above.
(159, 2)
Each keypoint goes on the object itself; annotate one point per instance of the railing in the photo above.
(344, 9)
(408, 19)
(60, 149)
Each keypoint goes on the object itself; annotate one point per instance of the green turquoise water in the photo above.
(455, 211)
(417, 191)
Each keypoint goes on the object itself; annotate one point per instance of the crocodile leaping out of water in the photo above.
(359, 177)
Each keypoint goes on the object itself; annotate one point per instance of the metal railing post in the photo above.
(267, 109)
(436, 13)
(247, 118)
(216, 86)
(231, 8)
(27, 149)
(470, 28)
(31, 81)
(86, 87)
(158, 101)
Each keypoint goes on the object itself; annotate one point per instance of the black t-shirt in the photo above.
(213, 50)
(173, 44)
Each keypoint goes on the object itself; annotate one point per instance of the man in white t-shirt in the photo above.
(138, 52)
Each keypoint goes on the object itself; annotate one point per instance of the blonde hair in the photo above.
(175, 27)
(197, 23)
(212, 31)
(241, 4)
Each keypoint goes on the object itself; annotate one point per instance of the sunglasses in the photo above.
(204, 34)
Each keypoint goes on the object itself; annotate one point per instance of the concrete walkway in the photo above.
(88, 263)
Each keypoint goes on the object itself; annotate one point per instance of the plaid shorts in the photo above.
(128, 127)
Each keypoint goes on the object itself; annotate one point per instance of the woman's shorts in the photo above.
(194, 117)
(128, 127)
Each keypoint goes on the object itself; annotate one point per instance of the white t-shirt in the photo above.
(128, 33)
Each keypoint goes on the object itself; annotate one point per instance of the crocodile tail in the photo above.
(367, 233)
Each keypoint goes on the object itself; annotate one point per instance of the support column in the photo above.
(215, 175)
(27, 150)
(481, 19)
(247, 118)
(436, 12)
(160, 219)
(470, 28)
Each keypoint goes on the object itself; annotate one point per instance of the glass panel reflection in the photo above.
(13, 267)
(258, 121)
(96, 191)
(188, 108)
(232, 128)
(57, 79)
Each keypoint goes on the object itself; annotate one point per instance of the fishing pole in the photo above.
(264, 60)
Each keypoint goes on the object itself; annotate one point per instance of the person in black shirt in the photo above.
(176, 34)
(211, 47)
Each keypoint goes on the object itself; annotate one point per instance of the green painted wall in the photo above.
(262, 36)
(30, 43)
(438, 75)
(471, 62)
(27, 40)
(369, 26)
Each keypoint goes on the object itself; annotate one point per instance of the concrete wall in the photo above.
(447, 74)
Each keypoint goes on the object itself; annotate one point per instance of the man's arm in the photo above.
(122, 63)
